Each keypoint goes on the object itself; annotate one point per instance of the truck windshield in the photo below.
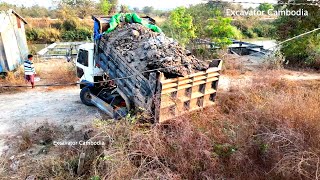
(83, 57)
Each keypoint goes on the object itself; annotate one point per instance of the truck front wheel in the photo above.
(85, 96)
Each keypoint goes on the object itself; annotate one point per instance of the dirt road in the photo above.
(31, 108)
(38, 106)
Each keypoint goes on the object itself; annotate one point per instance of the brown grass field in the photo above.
(263, 127)
(269, 130)
(56, 71)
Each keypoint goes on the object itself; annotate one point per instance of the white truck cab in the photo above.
(87, 69)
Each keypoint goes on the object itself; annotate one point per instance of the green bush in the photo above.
(52, 35)
(252, 28)
(84, 33)
(70, 24)
(80, 34)
(249, 33)
(313, 52)
(180, 26)
(32, 34)
(302, 51)
(46, 35)
(264, 29)
(236, 33)
(258, 31)
(220, 31)
(57, 25)
(69, 35)
(68, 30)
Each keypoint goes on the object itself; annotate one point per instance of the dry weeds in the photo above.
(50, 72)
(267, 131)
(278, 128)
(56, 72)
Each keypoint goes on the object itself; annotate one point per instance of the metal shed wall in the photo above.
(21, 38)
(11, 48)
(13, 43)
(3, 65)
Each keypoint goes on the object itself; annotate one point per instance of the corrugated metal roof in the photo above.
(15, 13)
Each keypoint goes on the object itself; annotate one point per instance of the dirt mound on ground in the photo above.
(147, 50)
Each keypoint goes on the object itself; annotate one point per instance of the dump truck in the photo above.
(111, 83)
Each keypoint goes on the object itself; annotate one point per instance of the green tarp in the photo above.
(130, 18)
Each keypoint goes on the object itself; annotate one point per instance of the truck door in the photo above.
(83, 66)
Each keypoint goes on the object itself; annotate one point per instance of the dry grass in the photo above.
(159, 20)
(274, 62)
(56, 23)
(56, 72)
(41, 22)
(277, 129)
(232, 64)
(35, 154)
(267, 131)
(12, 79)
(51, 72)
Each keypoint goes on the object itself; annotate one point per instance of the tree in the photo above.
(65, 12)
(180, 26)
(70, 24)
(84, 8)
(4, 6)
(303, 50)
(105, 6)
(200, 14)
(124, 9)
(220, 31)
(265, 7)
(114, 6)
(108, 6)
(81, 8)
(148, 10)
(33, 11)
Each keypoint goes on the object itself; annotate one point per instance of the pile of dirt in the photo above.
(147, 50)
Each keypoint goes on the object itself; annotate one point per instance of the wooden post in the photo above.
(81, 163)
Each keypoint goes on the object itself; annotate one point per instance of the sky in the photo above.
(157, 4)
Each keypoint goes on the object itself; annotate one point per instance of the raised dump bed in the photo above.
(164, 98)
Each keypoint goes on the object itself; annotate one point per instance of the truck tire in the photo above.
(85, 96)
